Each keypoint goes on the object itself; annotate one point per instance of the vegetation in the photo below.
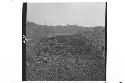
(70, 57)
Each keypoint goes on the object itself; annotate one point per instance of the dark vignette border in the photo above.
(24, 13)
(105, 37)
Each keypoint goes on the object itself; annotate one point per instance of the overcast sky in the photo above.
(85, 14)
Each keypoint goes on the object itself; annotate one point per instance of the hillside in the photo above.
(33, 29)
(76, 55)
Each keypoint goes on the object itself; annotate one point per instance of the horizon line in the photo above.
(63, 25)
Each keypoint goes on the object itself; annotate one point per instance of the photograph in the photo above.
(64, 41)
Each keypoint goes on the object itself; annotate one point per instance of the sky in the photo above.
(83, 14)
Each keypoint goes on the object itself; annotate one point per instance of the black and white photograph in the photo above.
(64, 41)
(69, 41)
